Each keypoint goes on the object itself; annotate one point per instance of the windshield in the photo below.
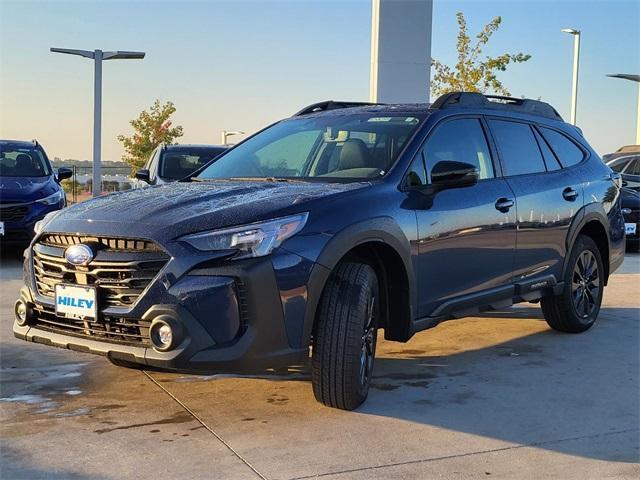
(348, 147)
(22, 161)
(178, 163)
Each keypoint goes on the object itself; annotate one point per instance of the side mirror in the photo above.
(143, 175)
(64, 173)
(449, 174)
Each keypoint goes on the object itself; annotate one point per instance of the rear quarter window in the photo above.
(567, 152)
(518, 148)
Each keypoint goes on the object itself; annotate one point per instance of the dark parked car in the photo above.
(311, 235)
(29, 189)
(169, 163)
(626, 161)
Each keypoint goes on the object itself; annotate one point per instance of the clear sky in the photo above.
(242, 64)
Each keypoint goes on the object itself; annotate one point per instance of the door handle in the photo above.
(504, 204)
(570, 194)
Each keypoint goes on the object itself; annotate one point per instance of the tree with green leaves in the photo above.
(151, 128)
(472, 73)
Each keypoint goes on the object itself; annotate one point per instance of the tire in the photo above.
(344, 340)
(575, 310)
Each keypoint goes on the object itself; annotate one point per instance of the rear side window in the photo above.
(567, 152)
(634, 168)
(518, 148)
(461, 140)
(549, 157)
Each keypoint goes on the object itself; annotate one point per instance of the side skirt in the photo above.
(488, 300)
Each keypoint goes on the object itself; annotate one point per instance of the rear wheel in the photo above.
(576, 308)
(344, 341)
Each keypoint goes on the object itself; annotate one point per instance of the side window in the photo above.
(416, 176)
(518, 148)
(288, 156)
(461, 140)
(618, 165)
(634, 167)
(549, 157)
(567, 152)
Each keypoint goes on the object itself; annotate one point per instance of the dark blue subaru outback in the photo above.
(308, 237)
(29, 189)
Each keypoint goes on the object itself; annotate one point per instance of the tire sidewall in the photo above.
(581, 245)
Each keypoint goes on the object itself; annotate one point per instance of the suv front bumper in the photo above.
(244, 316)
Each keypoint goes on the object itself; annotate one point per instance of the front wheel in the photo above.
(575, 310)
(344, 340)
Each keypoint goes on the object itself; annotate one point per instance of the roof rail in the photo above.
(474, 99)
(330, 105)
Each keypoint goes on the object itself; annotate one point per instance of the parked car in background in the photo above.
(29, 189)
(169, 163)
(306, 238)
(626, 161)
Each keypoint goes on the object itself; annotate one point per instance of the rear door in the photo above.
(467, 236)
(548, 195)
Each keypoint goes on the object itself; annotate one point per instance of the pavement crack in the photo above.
(201, 422)
(469, 454)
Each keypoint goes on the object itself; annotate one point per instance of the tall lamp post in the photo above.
(576, 62)
(225, 134)
(633, 78)
(98, 56)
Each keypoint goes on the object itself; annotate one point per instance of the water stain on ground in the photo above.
(518, 350)
(386, 387)
(277, 399)
(421, 384)
(180, 417)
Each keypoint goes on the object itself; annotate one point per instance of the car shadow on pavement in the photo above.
(549, 390)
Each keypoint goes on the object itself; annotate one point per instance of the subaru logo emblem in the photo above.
(78, 254)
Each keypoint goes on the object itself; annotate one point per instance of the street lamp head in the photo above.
(571, 31)
(122, 55)
(73, 51)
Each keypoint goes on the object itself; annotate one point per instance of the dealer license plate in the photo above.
(630, 228)
(76, 302)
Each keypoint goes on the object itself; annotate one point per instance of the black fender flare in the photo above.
(588, 213)
(382, 229)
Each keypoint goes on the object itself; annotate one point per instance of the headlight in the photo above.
(40, 224)
(51, 199)
(253, 240)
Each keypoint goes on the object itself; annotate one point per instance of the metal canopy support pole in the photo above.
(400, 51)
(576, 65)
(97, 123)
(638, 119)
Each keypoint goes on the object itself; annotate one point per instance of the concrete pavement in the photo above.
(495, 397)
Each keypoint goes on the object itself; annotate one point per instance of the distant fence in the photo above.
(79, 186)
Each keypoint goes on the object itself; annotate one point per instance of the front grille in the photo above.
(121, 270)
(107, 329)
(14, 213)
(113, 243)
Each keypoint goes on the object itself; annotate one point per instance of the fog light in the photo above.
(165, 333)
(22, 312)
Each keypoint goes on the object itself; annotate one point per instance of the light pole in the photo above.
(225, 134)
(633, 78)
(576, 62)
(98, 56)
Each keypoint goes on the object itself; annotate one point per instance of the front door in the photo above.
(467, 236)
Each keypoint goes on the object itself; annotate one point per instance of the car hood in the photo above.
(25, 189)
(179, 208)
